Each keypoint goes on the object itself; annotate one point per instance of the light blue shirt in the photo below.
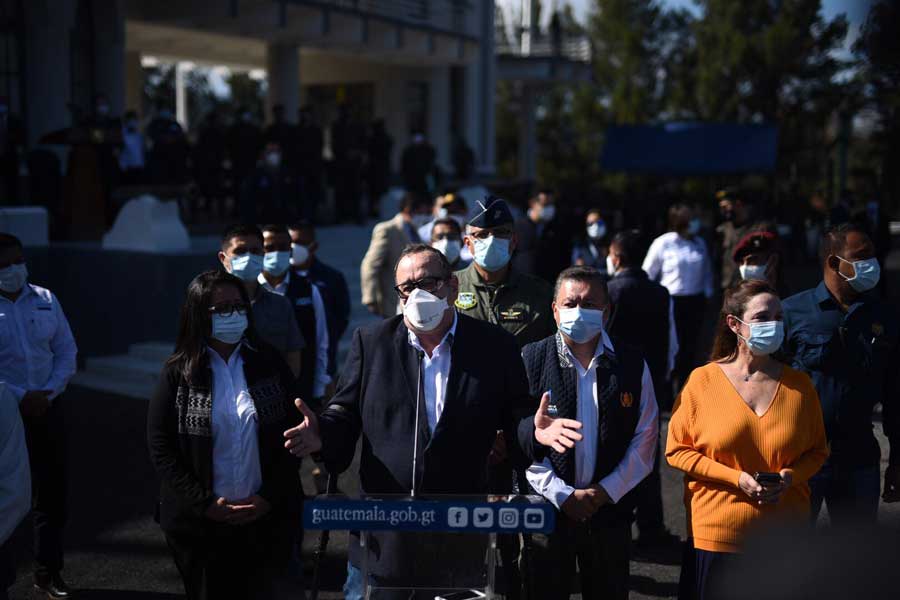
(15, 474)
(37, 350)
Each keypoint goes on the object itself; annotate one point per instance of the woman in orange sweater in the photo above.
(741, 414)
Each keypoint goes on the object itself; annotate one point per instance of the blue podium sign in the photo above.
(446, 516)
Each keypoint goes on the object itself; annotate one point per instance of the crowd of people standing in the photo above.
(513, 357)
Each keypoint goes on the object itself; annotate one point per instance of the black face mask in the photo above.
(728, 215)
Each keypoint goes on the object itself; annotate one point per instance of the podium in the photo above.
(429, 548)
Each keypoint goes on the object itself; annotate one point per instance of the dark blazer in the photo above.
(641, 318)
(336, 298)
(179, 434)
(487, 391)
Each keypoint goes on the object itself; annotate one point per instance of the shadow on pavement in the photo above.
(88, 594)
(642, 584)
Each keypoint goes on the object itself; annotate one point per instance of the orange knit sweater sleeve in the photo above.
(809, 463)
(680, 451)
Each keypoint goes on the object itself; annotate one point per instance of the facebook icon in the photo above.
(457, 516)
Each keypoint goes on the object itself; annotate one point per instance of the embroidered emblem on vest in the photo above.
(626, 399)
(268, 397)
(466, 300)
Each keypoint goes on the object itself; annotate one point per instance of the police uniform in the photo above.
(520, 303)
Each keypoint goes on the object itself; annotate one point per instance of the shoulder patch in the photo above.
(466, 300)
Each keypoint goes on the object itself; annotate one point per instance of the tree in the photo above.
(878, 47)
(626, 41)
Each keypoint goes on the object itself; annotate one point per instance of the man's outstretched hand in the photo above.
(304, 439)
(556, 433)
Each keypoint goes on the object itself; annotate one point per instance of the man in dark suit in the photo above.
(642, 315)
(485, 391)
(331, 283)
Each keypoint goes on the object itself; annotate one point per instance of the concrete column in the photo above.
(283, 70)
(109, 53)
(390, 105)
(134, 83)
(47, 58)
(439, 115)
(527, 134)
(486, 89)
(181, 105)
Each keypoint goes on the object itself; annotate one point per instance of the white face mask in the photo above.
(610, 267)
(596, 230)
(548, 212)
(449, 248)
(13, 278)
(299, 255)
(273, 159)
(753, 272)
(424, 311)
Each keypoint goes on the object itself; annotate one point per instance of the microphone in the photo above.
(415, 457)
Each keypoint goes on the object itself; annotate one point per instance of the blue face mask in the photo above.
(694, 226)
(276, 263)
(580, 324)
(492, 253)
(765, 337)
(230, 329)
(247, 266)
(866, 274)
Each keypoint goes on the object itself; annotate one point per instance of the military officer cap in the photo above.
(495, 212)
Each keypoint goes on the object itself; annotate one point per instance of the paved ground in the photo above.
(116, 551)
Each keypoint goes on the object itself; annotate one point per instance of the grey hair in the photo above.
(410, 249)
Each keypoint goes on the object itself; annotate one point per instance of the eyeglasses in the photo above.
(446, 236)
(502, 233)
(226, 310)
(428, 284)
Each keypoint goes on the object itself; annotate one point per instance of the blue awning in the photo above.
(690, 148)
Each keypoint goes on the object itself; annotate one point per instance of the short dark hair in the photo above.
(274, 228)
(835, 238)
(630, 247)
(8, 240)
(233, 231)
(410, 249)
(679, 214)
(449, 222)
(303, 225)
(582, 274)
(194, 323)
(411, 201)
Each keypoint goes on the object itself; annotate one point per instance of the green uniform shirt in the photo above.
(520, 304)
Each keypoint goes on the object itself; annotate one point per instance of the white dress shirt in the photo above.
(15, 474)
(236, 471)
(436, 373)
(131, 154)
(37, 350)
(681, 265)
(638, 460)
(321, 378)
